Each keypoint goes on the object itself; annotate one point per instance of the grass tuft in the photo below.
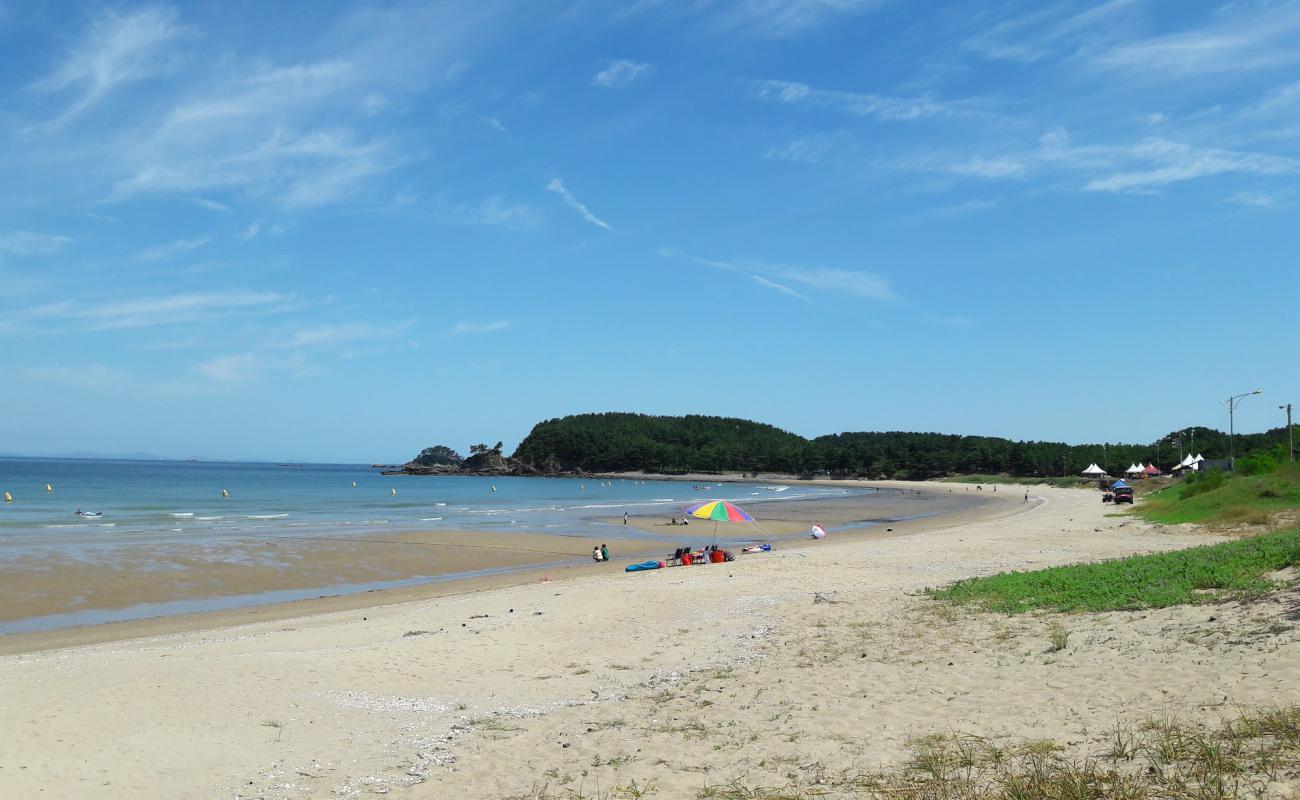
(1195, 575)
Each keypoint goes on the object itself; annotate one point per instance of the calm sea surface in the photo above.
(171, 501)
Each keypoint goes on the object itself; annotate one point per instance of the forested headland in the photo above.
(618, 442)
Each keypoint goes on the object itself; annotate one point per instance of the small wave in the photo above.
(430, 519)
(181, 514)
(208, 519)
(266, 516)
(440, 504)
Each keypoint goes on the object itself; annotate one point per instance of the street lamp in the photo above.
(1233, 402)
(1290, 432)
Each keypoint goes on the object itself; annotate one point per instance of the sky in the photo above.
(348, 231)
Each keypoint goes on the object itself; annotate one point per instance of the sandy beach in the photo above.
(768, 671)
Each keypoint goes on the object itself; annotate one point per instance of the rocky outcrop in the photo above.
(490, 463)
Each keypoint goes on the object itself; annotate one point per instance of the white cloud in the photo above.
(27, 243)
(211, 205)
(251, 232)
(163, 252)
(813, 148)
(858, 283)
(1261, 37)
(1174, 162)
(118, 48)
(1049, 29)
(1262, 199)
(149, 311)
(874, 106)
(84, 376)
(231, 369)
(334, 335)
(621, 73)
(466, 328)
(781, 19)
(556, 186)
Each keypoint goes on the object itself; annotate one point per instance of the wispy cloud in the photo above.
(93, 377)
(335, 335)
(163, 252)
(620, 73)
(1264, 200)
(1174, 162)
(230, 369)
(557, 187)
(812, 148)
(874, 106)
(150, 311)
(780, 19)
(778, 277)
(116, 49)
(1042, 31)
(1261, 37)
(28, 243)
(211, 205)
(469, 328)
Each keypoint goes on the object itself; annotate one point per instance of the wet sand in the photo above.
(53, 600)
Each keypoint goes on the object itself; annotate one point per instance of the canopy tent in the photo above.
(1119, 484)
(1093, 470)
(1134, 469)
(1151, 469)
(1185, 463)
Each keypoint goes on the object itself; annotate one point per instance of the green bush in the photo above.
(1201, 482)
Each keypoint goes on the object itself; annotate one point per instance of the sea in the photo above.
(138, 502)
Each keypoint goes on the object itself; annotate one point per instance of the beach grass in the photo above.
(1196, 575)
(1217, 498)
(1159, 757)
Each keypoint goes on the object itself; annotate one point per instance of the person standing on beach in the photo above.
(604, 552)
(1026, 496)
(624, 517)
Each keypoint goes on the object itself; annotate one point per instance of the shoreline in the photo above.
(434, 586)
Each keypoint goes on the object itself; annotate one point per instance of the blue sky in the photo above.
(337, 231)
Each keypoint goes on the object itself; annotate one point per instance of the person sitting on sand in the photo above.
(604, 552)
(596, 555)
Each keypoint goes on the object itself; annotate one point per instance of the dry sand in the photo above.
(670, 681)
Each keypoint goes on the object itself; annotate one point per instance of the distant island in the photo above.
(667, 445)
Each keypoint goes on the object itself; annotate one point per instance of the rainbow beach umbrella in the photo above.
(719, 511)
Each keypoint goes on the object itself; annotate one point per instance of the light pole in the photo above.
(1290, 433)
(1233, 402)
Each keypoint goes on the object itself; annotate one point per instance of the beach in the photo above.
(779, 669)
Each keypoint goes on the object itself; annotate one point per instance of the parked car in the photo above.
(1123, 494)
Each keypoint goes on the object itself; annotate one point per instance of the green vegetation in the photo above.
(1162, 757)
(1217, 498)
(620, 442)
(1196, 575)
(438, 455)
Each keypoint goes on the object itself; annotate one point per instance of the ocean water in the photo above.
(175, 501)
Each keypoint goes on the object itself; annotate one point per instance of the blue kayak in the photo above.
(644, 565)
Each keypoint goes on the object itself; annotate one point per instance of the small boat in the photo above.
(81, 513)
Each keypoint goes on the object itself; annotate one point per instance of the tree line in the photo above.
(617, 442)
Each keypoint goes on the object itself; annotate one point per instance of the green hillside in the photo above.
(615, 442)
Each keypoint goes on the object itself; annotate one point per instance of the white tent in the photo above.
(1185, 463)
(1134, 469)
(1094, 470)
